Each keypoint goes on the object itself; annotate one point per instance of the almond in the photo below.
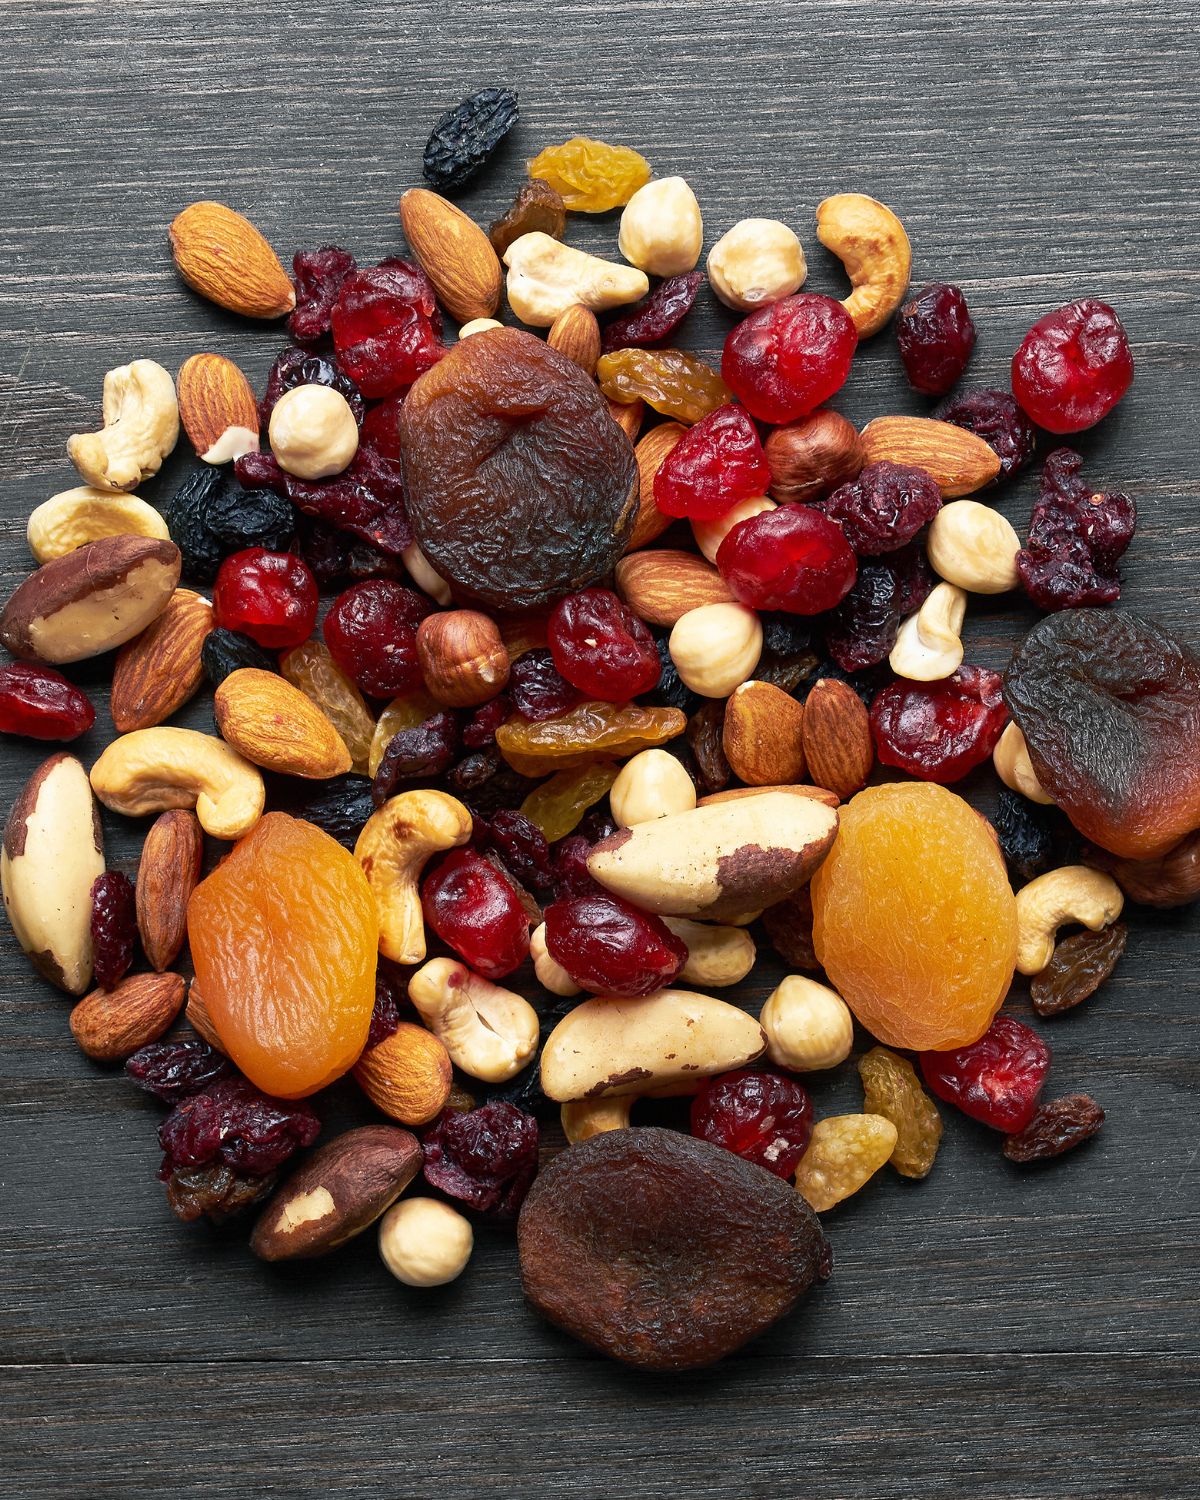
(454, 253)
(762, 735)
(167, 876)
(160, 670)
(650, 452)
(217, 408)
(837, 737)
(110, 1025)
(662, 586)
(628, 416)
(960, 462)
(199, 1019)
(407, 1075)
(275, 726)
(576, 333)
(222, 256)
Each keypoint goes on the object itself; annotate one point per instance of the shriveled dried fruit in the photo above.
(719, 463)
(215, 1192)
(591, 176)
(760, 1117)
(41, 704)
(537, 688)
(522, 845)
(610, 947)
(465, 137)
(312, 669)
(227, 651)
(318, 276)
(340, 808)
(417, 754)
(935, 336)
(674, 383)
(387, 327)
(584, 734)
(884, 508)
(484, 1158)
(891, 1089)
(537, 209)
(995, 417)
(706, 736)
(862, 630)
(114, 927)
(657, 316)
(1028, 833)
(789, 925)
(1075, 539)
(557, 805)
(996, 1079)
(939, 731)
(1058, 1126)
(474, 908)
(601, 647)
(294, 367)
(1081, 964)
(172, 1071)
(371, 632)
(845, 1153)
(793, 559)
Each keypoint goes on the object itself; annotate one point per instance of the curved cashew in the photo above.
(549, 972)
(72, 518)
(929, 645)
(392, 848)
(1073, 893)
(584, 1118)
(869, 240)
(489, 1033)
(717, 955)
(972, 545)
(1015, 769)
(545, 277)
(422, 573)
(808, 1025)
(141, 426)
(152, 770)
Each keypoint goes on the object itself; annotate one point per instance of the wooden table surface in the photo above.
(986, 1332)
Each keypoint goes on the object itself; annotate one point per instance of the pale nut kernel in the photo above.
(549, 973)
(72, 518)
(756, 262)
(313, 433)
(871, 243)
(425, 1242)
(463, 660)
(1073, 893)
(489, 1032)
(718, 955)
(154, 770)
(141, 427)
(809, 1026)
(1015, 769)
(584, 1118)
(477, 325)
(929, 644)
(424, 575)
(716, 648)
(545, 277)
(975, 547)
(710, 534)
(662, 231)
(652, 784)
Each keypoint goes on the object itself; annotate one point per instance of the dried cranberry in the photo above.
(884, 508)
(381, 428)
(537, 688)
(339, 557)
(785, 359)
(385, 1016)
(1073, 366)
(862, 630)
(416, 754)
(936, 335)
(233, 1123)
(609, 947)
(522, 846)
(717, 464)
(601, 647)
(995, 417)
(114, 927)
(387, 327)
(473, 908)
(295, 367)
(371, 632)
(759, 1116)
(997, 1079)
(485, 1158)
(571, 876)
(269, 596)
(793, 558)
(41, 704)
(655, 318)
(480, 729)
(938, 731)
(171, 1071)
(1075, 539)
(318, 276)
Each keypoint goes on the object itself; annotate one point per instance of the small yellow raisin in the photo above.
(586, 733)
(591, 176)
(313, 670)
(673, 382)
(845, 1152)
(891, 1089)
(558, 804)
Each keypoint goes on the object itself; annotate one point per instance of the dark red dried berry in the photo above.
(385, 1016)
(938, 731)
(1075, 539)
(466, 136)
(610, 947)
(371, 632)
(571, 875)
(484, 1158)
(381, 428)
(995, 1080)
(601, 647)
(172, 1071)
(655, 318)
(233, 1123)
(884, 508)
(789, 925)
(716, 465)
(1058, 1126)
(480, 729)
(1073, 366)
(537, 688)
(41, 704)
(935, 335)
(793, 558)
(522, 846)
(417, 754)
(114, 927)
(995, 417)
(387, 327)
(269, 596)
(295, 367)
(785, 359)
(318, 276)
(706, 739)
(337, 558)
(473, 908)
(760, 1117)
(862, 630)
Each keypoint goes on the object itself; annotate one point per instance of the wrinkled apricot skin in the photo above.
(914, 920)
(284, 936)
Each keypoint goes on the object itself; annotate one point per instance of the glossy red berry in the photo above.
(793, 558)
(41, 704)
(935, 335)
(1073, 366)
(761, 1117)
(371, 632)
(938, 731)
(387, 327)
(601, 647)
(884, 508)
(717, 464)
(610, 947)
(474, 909)
(785, 359)
(997, 1079)
(269, 596)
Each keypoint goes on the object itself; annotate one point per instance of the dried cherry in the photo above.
(884, 508)
(793, 559)
(269, 596)
(473, 908)
(113, 927)
(787, 358)
(995, 1080)
(172, 1071)
(1080, 965)
(1058, 1126)
(1075, 539)
(601, 647)
(1073, 366)
(995, 417)
(713, 467)
(386, 327)
(610, 947)
(484, 1158)
(938, 731)
(935, 335)
(318, 276)
(655, 318)
(862, 630)
(371, 632)
(465, 137)
(41, 704)
(760, 1117)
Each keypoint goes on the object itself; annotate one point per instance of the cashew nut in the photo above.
(756, 262)
(72, 518)
(477, 325)
(584, 1118)
(650, 785)
(809, 1026)
(716, 648)
(929, 645)
(869, 240)
(313, 433)
(1073, 893)
(710, 534)
(550, 973)
(489, 1033)
(423, 574)
(392, 848)
(141, 426)
(718, 955)
(661, 228)
(545, 277)
(152, 770)
(1015, 769)
(972, 545)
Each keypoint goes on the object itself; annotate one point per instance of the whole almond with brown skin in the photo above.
(222, 256)
(110, 1025)
(274, 725)
(761, 736)
(454, 253)
(628, 415)
(160, 670)
(463, 659)
(660, 586)
(960, 462)
(407, 1075)
(198, 1018)
(217, 408)
(650, 452)
(576, 333)
(837, 737)
(811, 457)
(167, 875)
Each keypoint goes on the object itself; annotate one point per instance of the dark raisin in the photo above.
(537, 209)
(386, 1015)
(789, 925)
(367, 498)
(226, 651)
(935, 335)
(1058, 1126)
(114, 927)
(340, 807)
(597, 824)
(523, 848)
(657, 317)
(884, 508)
(862, 630)
(995, 417)
(465, 137)
(317, 276)
(479, 732)
(240, 518)
(417, 754)
(505, 788)
(485, 1158)
(787, 659)
(295, 367)
(215, 1192)
(670, 691)
(473, 771)
(171, 1071)
(337, 557)
(537, 688)
(1080, 965)
(233, 1123)
(571, 877)
(186, 515)
(1028, 834)
(1076, 538)
(705, 735)
(524, 1092)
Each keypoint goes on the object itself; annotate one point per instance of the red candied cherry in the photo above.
(761, 1117)
(793, 559)
(387, 327)
(997, 1079)
(717, 464)
(269, 596)
(1073, 366)
(472, 907)
(41, 704)
(601, 647)
(784, 360)
(935, 335)
(610, 947)
(371, 632)
(938, 731)
(884, 508)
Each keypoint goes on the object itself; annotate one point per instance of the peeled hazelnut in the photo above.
(313, 432)
(661, 228)
(710, 534)
(756, 262)
(716, 647)
(653, 784)
(424, 1242)
(811, 457)
(462, 657)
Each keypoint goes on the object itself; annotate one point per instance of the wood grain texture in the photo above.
(986, 1332)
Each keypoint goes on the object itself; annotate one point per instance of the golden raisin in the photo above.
(845, 1152)
(674, 383)
(891, 1089)
(591, 176)
(312, 669)
(584, 734)
(558, 804)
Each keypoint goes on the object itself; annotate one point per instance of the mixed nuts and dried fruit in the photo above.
(599, 702)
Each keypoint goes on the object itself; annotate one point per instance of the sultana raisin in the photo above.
(1057, 1127)
(845, 1152)
(891, 1089)
(312, 669)
(673, 382)
(706, 736)
(1080, 965)
(584, 734)
(558, 804)
(537, 209)
(591, 176)
(465, 137)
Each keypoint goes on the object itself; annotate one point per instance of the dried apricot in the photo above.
(891, 1089)
(845, 1152)
(591, 176)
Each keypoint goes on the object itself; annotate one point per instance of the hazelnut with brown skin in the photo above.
(462, 657)
(811, 457)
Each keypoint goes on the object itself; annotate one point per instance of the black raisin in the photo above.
(225, 651)
(341, 807)
(465, 136)
(240, 518)
(295, 367)
(186, 515)
(670, 691)
(1027, 834)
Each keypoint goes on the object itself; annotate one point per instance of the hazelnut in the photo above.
(462, 657)
(808, 1026)
(811, 457)
(661, 228)
(313, 433)
(716, 648)
(651, 785)
(424, 1242)
(756, 262)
